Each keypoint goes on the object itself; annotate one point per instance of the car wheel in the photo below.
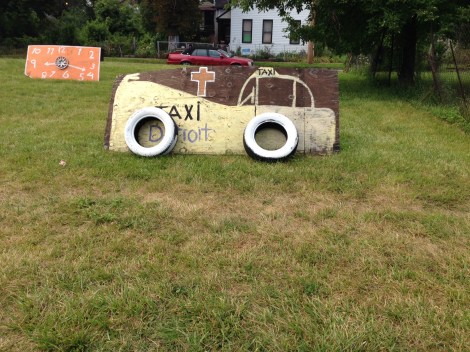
(270, 120)
(138, 119)
(186, 63)
(236, 65)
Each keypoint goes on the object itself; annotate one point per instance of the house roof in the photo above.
(220, 4)
(207, 6)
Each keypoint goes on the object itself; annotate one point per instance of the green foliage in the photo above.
(95, 32)
(20, 19)
(292, 56)
(263, 53)
(116, 28)
(114, 25)
(173, 17)
(146, 46)
(367, 27)
(65, 30)
(120, 17)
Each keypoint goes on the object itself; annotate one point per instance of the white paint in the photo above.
(269, 72)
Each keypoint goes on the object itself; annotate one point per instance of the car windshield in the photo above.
(223, 52)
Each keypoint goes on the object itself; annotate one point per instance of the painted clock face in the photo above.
(63, 62)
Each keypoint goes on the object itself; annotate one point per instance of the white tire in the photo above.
(254, 150)
(164, 146)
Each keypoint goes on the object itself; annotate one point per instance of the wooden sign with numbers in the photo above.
(63, 62)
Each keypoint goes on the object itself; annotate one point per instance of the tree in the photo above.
(65, 30)
(172, 17)
(23, 22)
(25, 18)
(368, 26)
(116, 27)
(120, 16)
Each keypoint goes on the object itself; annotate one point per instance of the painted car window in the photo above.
(270, 91)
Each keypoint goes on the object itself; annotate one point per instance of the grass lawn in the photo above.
(364, 250)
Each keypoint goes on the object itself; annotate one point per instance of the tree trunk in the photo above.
(434, 67)
(409, 38)
(310, 45)
(377, 56)
(390, 67)
(347, 67)
(310, 52)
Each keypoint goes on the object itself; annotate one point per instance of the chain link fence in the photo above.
(443, 68)
(449, 63)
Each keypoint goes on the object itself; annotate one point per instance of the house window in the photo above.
(267, 31)
(247, 35)
(294, 38)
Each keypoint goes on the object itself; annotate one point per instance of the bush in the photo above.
(95, 32)
(146, 46)
(292, 56)
(263, 54)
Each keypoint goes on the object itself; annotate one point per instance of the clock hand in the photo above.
(53, 64)
(80, 68)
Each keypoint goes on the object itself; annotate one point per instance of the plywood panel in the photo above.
(63, 62)
(212, 115)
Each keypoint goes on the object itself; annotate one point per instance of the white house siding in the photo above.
(280, 39)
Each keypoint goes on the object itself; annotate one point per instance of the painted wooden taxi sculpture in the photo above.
(268, 113)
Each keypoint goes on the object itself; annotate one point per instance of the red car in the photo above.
(206, 56)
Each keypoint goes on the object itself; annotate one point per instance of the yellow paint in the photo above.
(220, 127)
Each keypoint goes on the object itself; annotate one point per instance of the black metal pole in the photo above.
(458, 74)
(390, 68)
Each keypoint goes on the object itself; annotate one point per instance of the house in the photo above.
(249, 32)
(207, 26)
(222, 21)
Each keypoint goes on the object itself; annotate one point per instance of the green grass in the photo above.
(448, 104)
(364, 250)
(327, 65)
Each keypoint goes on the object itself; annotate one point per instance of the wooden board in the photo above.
(212, 106)
(63, 62)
